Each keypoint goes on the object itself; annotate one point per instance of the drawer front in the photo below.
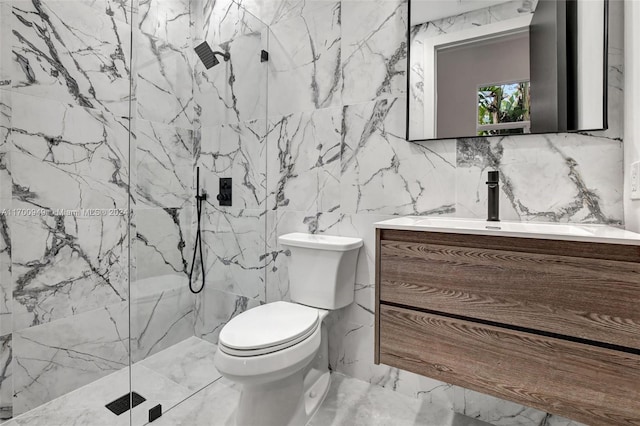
(587, 298)
(590, 384)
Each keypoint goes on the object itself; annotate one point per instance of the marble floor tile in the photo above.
(213, 406)
(86, 406)
(350, 402)
(189, 363)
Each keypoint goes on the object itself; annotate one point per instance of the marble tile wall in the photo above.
(337, 162)
(231, 101)
(65, 150)
(163, 146)
(64, 174)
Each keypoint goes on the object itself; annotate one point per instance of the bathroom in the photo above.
(111, 124)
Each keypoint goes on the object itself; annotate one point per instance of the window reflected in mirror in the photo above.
(503, 109)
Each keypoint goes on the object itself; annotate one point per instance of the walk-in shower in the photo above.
(106, 115)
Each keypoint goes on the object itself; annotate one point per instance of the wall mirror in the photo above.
(495, 67)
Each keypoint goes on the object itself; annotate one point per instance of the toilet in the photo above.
(278, 352)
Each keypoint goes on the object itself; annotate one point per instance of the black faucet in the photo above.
(493, 203)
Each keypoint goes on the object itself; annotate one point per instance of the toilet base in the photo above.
(290, 401)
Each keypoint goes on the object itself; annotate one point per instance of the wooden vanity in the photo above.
(549, 323)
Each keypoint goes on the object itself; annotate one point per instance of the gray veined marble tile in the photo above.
(162, 243)
(86, 405)
(215, 405)
(374, 49)
(6, 384)
(304, 168)
(354, 403)
(500, 412)
(164, 81)
(189, 363)
(236, 151)
(167, 20)
(305, 61)
(55, 358)
(73, 52)
(234, 91)
(215, 308)
(234, 251)
(164, 165)
(222, 21)
(162, 314)
(383, 174)
(66, 265)
(586, 183)
(70, 157)
(5, 48)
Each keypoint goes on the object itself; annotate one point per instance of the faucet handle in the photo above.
(493, 177)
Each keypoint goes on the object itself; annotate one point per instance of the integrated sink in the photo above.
(543, 230)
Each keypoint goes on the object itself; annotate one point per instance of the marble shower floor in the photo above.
(172, 376)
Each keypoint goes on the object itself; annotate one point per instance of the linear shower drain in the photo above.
(123, 404)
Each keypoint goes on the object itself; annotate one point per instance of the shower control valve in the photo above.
(224, 196)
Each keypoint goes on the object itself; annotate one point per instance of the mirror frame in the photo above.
(605, 89)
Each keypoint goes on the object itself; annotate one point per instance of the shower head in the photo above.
(208, 56)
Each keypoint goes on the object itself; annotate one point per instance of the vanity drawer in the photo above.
(584, 297)
(590, 384)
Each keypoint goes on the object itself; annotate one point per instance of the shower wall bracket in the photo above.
(225, 192)
(264, 56)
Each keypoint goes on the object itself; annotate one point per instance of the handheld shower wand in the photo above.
(197, 247)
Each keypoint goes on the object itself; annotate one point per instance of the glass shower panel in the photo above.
(188, 117)
(64, 221)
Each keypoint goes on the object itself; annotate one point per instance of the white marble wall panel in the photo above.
(5, 47)
(273, 11)
(162, 314)
(234, 251)
(164, 165)
(222, 21)
(550, 178)
(66, 265)
(164, 82)
(304, 152)
(5, 203)
(58, 357)
(6, 382)
(72, 51)
(215, 308)
(236, 151)
(383, 174)
(305, 60)
(233, 91)
(70, 157)
(162, 242)
(374, 49)
(168, 20)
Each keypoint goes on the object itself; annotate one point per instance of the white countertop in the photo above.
(540, 230)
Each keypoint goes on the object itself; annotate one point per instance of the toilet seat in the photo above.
(268, 328)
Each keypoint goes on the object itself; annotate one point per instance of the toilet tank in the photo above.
(322, 269)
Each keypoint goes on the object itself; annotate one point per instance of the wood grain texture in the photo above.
(624, 253)
(587, 298)
(376, 335)
(590, 384)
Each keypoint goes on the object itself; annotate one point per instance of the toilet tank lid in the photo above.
(320, 241)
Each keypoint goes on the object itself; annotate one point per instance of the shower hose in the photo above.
(197, 247)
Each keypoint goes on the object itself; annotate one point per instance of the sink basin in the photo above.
(561, 231)
(526, 227)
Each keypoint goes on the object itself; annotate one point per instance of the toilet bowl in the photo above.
(278, 352)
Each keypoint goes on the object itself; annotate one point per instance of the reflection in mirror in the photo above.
(496, 67)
